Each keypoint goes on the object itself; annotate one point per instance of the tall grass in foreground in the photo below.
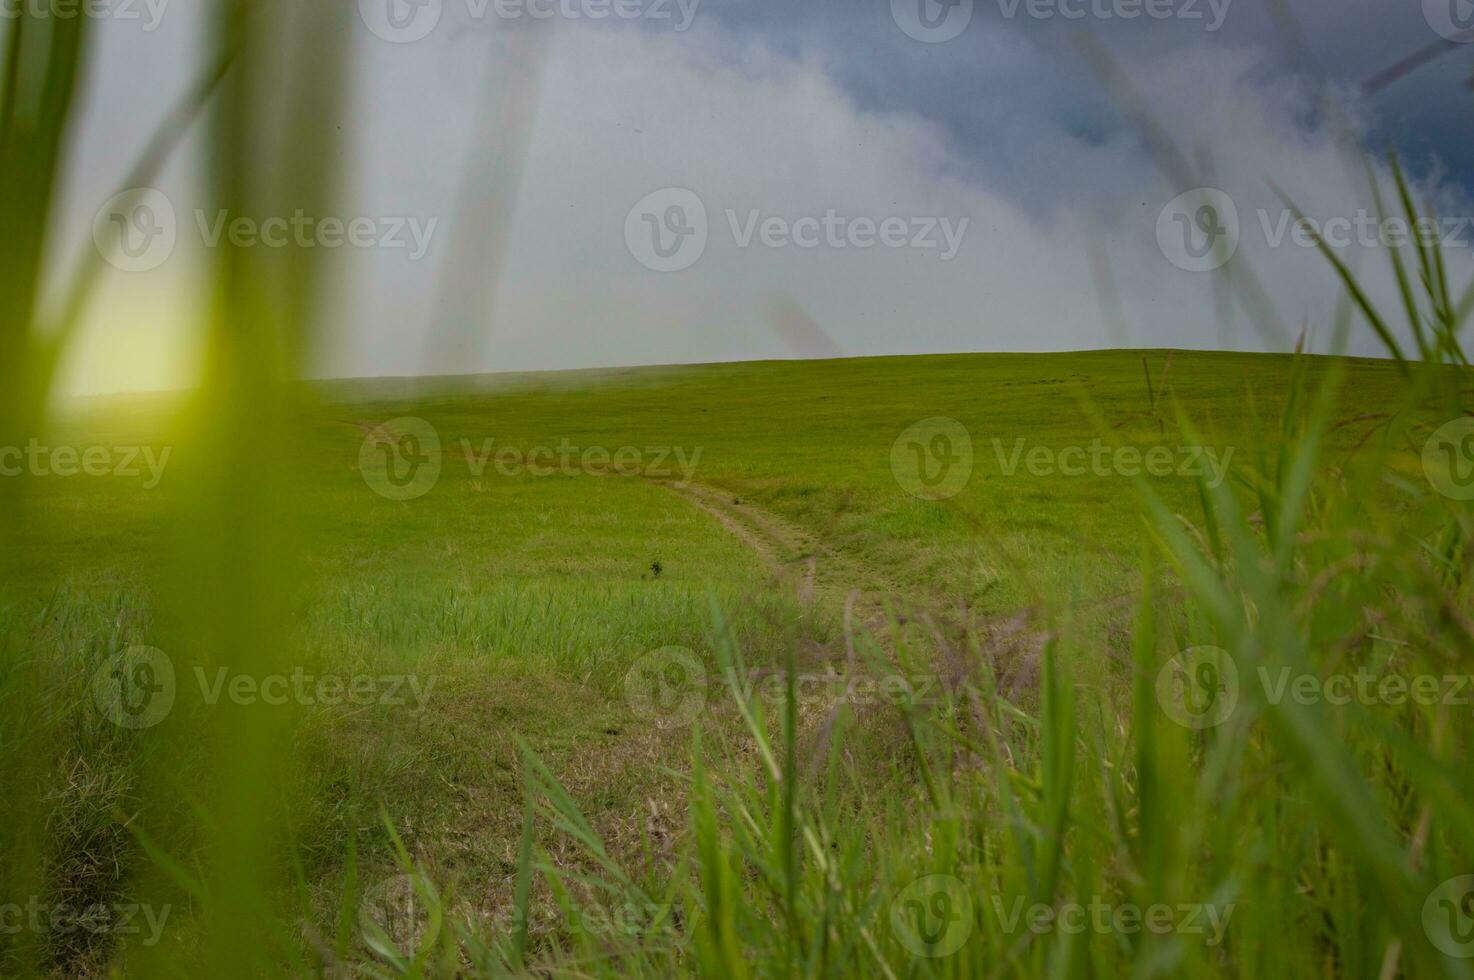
(41, 67)
(75, 832)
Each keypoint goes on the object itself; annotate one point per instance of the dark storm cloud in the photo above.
(992, 84)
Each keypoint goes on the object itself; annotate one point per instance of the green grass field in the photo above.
(482, 742)
(1074, 665)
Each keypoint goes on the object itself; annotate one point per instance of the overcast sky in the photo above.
(697, 180)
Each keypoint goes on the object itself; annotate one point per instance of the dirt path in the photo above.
(865, 597)
(817, 573)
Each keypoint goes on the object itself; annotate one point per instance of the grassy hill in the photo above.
(562, 568)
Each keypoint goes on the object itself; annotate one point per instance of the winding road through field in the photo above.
(863, 596)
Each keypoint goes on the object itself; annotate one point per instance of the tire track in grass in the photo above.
(818, 573)
(890, 634)
(867, 600)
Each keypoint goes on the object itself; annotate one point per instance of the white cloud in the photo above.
(622, 112)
